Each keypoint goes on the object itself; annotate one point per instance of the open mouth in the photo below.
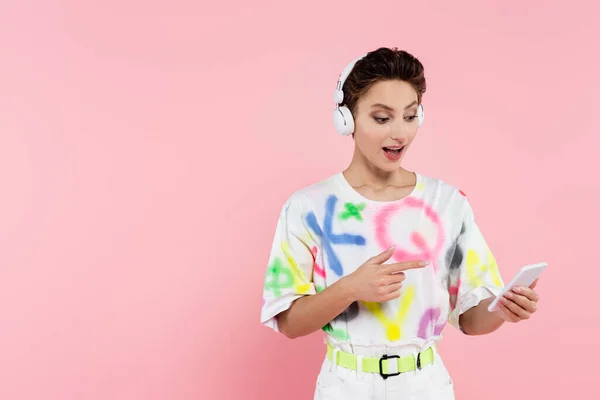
(393, 152)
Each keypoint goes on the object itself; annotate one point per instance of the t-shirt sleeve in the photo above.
(290, 268)
(476, 277)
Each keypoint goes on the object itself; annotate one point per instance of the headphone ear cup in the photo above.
(338, 96)
(420, 114)
(343, 121)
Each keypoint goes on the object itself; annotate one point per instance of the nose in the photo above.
(400, 131)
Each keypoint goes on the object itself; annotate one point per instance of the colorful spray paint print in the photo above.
(334, 231)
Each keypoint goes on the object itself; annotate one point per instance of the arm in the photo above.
(479, 281)
(516, 305)
(479, 321)
(371, 282)
(308, 314)
(475, 279)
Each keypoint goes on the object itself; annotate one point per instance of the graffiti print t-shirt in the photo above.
(327, 230)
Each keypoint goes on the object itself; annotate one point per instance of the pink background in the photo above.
(147, 146)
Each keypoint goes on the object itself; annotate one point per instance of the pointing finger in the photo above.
(399, 267)
(383, 257)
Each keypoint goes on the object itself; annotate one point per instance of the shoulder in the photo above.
(305, 198)
(439, 185)
(446, 194)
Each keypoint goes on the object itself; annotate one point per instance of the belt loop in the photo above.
(334, 360)
(359, 369)
(416, 358)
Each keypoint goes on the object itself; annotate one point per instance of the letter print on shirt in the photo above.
(393, 328)
(329, 238)
(427, 251)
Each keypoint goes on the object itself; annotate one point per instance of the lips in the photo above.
(394, 151)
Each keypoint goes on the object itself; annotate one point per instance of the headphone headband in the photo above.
(338, 96)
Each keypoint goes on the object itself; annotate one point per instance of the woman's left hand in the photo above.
(519, 303)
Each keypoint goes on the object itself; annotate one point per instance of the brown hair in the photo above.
(381, 65)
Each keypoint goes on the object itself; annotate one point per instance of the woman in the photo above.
(379, 257)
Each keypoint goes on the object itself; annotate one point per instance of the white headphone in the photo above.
(342, 116)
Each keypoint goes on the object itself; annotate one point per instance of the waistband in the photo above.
(387, 365)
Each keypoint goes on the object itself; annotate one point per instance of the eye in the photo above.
(381, 120)
(410, 118)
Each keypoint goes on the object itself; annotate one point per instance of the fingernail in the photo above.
(517, 289)
(423, 263)
(509, 294)
(392, 248)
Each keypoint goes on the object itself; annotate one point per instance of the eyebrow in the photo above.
(390, 108)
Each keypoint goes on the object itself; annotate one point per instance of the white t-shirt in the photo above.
(327, 230)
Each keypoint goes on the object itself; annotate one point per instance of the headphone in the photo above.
(342, 116)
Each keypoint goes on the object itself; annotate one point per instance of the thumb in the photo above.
(534, 284)
(383, 257)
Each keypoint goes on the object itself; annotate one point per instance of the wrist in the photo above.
(346, 289)
(496, 315)
(479, 321)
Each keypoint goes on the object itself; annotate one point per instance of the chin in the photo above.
(388, 166)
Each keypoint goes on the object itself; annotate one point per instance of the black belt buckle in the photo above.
(386, 357)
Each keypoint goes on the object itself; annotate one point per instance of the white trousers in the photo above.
(432, 382)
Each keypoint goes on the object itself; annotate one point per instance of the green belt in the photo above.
(381, 365)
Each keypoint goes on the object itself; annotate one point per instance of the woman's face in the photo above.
(386, 123)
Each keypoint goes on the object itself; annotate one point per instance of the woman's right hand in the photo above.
(374, 281)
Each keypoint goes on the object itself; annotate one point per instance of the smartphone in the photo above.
(525, 277)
